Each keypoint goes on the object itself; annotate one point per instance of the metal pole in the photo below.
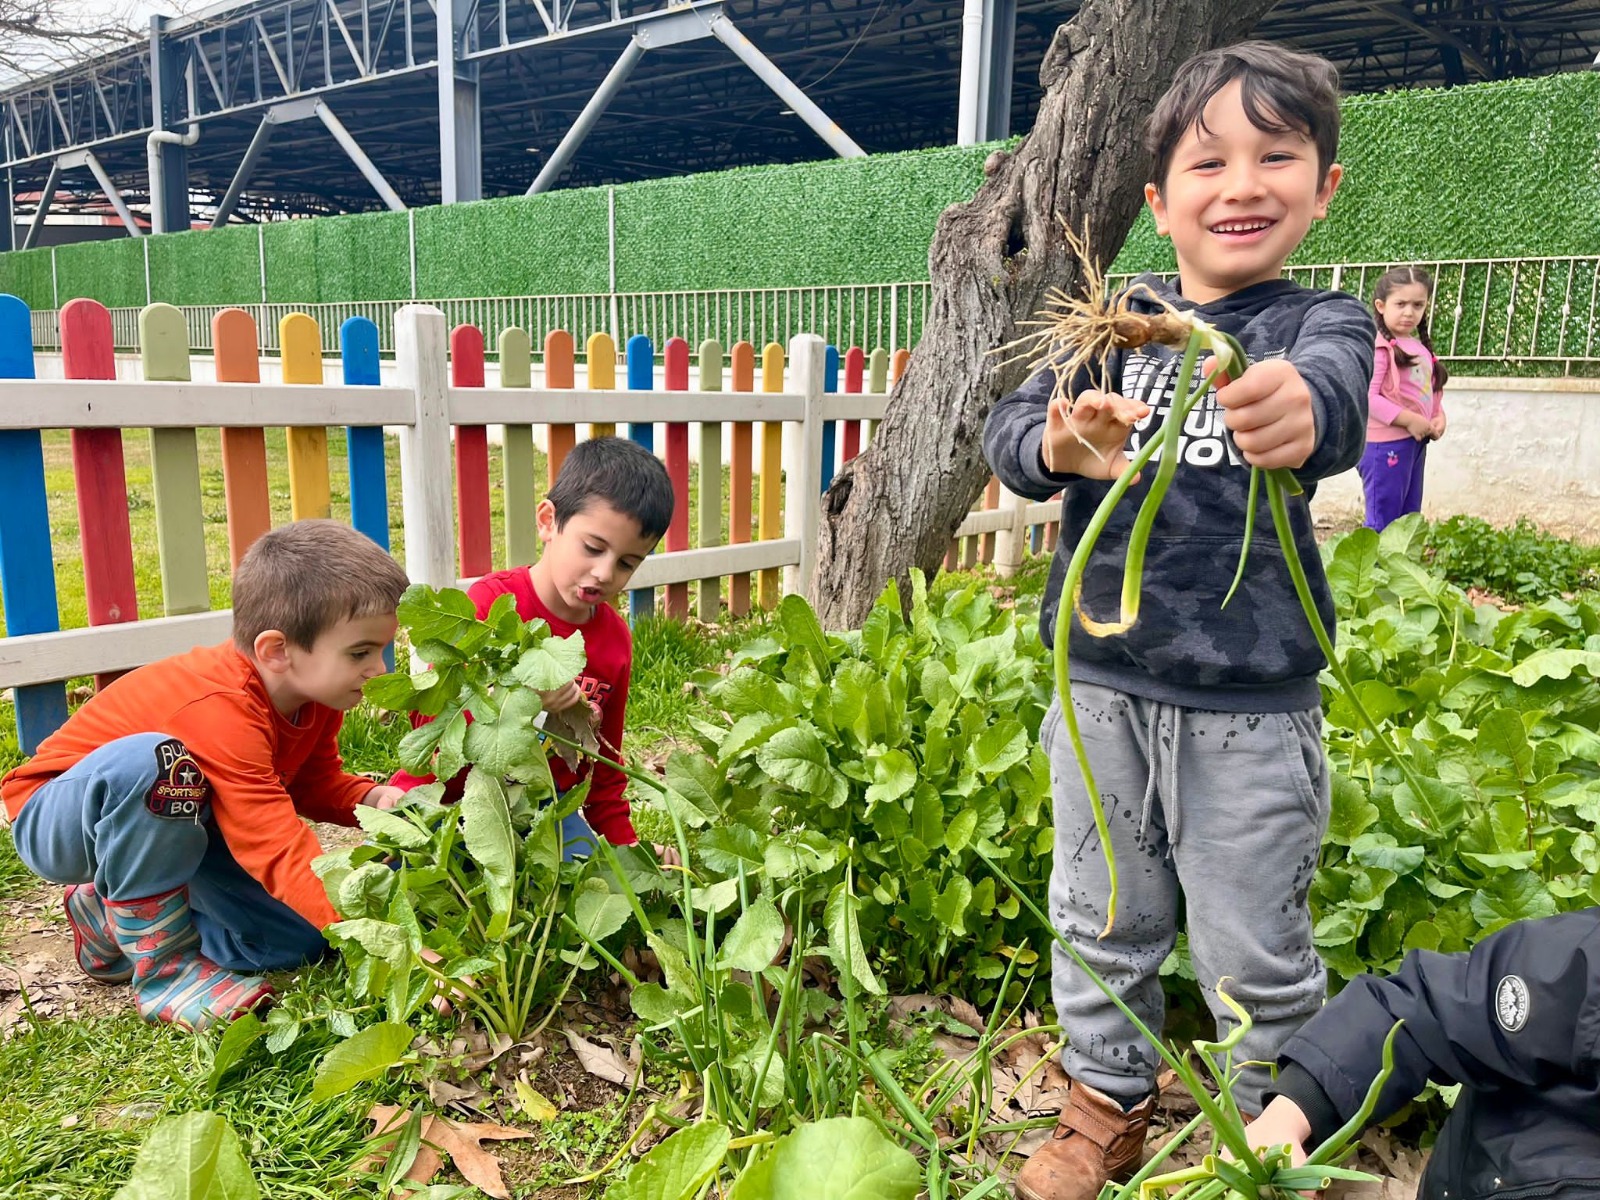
(787, 90)
(8, 210)
(971, 73)
(611, 255)
(110, 189)
(247, 166)
(52, 181)
(604, 94)
(359, 156)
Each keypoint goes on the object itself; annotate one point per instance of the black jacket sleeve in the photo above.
(1013, 436)
(1517, 1011)
(1333, 353)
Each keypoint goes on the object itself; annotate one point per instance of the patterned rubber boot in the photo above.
(93, 942)
(172, 980)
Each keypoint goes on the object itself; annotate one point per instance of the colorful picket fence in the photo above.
(443, 410)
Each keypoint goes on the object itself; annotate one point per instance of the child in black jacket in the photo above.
(1515, 1020)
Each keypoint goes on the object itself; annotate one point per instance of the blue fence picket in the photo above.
(27, 574)
(369, 487)
(641, 355)
(830, 429)
(369, 484)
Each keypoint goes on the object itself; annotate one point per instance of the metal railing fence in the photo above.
(1511, 312)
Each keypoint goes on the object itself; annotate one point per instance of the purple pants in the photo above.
(1391, 476)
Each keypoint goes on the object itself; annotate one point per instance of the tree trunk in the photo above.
(993, 258)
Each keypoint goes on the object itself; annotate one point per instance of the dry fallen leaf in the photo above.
(599, 1061)
(460, 1141)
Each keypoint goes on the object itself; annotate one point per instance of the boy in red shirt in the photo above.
(605, 513)
(171, 802)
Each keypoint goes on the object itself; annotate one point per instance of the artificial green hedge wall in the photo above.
(26, 274)
(548, 245)
(359, 257)
(837, 222)
(213, 266)
(110, 272)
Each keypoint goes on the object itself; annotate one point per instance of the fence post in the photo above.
(421, 363)
(803, 504)
(1008, 542)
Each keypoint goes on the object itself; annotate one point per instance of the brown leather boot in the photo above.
(1094, 1142)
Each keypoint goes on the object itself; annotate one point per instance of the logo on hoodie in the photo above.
(1153, 379)
(1511, 1003)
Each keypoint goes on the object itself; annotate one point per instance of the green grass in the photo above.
(15, 879)
(81, 1096)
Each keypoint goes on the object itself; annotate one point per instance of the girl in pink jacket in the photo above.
(1405, 403)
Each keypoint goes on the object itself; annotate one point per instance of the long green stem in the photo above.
(1067, 603)
(1171, 441)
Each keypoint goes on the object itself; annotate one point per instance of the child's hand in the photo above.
(383, 796)
(1437, 425)
(1268, 410)
(1086, 436)
(667, 856)
(1280, 1123)
(562, 698)
(1417, 425)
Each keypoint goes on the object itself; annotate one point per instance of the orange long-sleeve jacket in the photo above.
(264, 770)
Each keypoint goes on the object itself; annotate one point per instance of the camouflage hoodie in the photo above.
(1259, 654)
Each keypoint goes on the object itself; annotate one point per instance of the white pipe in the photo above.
(152, 151)
(971, 73)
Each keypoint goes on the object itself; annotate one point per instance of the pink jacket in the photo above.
(1386, 399)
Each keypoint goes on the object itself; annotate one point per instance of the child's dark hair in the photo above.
(1281, 90)
(620, 473)
(1401, 277)
(303, 579)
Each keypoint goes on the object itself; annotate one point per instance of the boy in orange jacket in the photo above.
(170, 804)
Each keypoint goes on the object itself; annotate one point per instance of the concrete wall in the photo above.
(1513, 448)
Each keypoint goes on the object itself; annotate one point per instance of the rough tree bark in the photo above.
(992, 260)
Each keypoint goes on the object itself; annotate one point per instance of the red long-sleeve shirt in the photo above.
(264, 771)
(608, 647)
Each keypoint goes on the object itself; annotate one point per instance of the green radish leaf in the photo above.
(950, 908)
(1555, 664)
(1503, 741)
(1514, 896)
(999, 748)
(236, 1042)
(1438, 810)
(600, 913)
(1352, 573)
(391, 825)
(843, 919)
(728, 847)
(394, 691)
(486, 829)
(754, 940)
(958, 835)
(798, 758)
(445, 615)
(507, 744)
(354, 1061)
(802, 630)
(654, 1005)
(894, 774)
(842, 1158)
(195, 1156)
(553, 663)
(365, 892)
(678, 1167)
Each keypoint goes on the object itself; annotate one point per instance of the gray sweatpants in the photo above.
(1229, 807)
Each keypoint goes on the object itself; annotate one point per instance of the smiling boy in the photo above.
(1203, 723)
(171, 802)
